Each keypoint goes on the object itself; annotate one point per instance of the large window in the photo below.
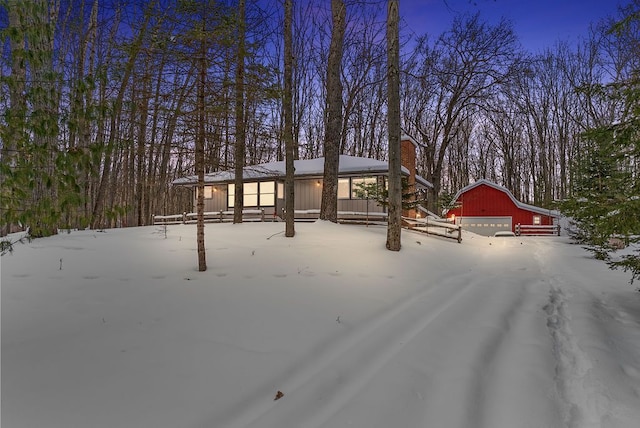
(344, 188)
(258, 194)
(348, 187)
(357, 184)
(250, 194)
(267, 194)
(208, 192)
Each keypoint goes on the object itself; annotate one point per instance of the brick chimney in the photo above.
(408, 159)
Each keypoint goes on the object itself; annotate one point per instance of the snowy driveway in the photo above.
(493, 332)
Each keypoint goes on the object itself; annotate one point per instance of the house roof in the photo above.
(516, 202)
(349, 165)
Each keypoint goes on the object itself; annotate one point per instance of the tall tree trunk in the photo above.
(142, 113)
(333, 129)
(287, 106)
(394, 228)
(202, 78)
(240, 145)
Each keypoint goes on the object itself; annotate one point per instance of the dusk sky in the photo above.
(538, 24)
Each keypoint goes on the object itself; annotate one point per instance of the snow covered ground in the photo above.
(118, 329)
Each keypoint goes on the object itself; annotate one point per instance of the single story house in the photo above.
(264, 184)
(485, 208)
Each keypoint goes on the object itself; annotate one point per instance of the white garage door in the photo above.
(486, 226)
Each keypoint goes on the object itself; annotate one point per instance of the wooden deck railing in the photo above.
(343, 216)
(259, 215)
(434, 227)
(537, 230)
(209, 217)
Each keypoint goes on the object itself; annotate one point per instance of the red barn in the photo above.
(486, 208)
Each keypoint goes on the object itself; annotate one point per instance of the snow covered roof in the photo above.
(517, 203)
(303, 167)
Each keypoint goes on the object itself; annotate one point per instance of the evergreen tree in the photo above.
(38, 172)
(605, 200)
(377, 191)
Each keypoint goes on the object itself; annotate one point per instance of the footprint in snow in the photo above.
(631, 371)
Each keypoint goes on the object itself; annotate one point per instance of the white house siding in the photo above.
(359, 205)
(218, 200)
(308, 194)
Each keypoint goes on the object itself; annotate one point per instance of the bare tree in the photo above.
(465, 66)
(363, 79)
(287, 106)
(333, 128)
(200, 136)
(240, 122)
(394, 227)
(97, 216)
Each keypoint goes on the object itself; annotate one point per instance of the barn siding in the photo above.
(487, 201)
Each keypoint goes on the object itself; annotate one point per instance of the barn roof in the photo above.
(516, 202)
(349, 165)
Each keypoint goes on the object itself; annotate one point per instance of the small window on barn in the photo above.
(343, 188)
(537, 220)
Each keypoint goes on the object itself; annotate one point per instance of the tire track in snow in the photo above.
(506, 363)
(321, 386)
(491, 351)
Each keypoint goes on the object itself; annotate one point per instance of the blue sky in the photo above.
(539, 24)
